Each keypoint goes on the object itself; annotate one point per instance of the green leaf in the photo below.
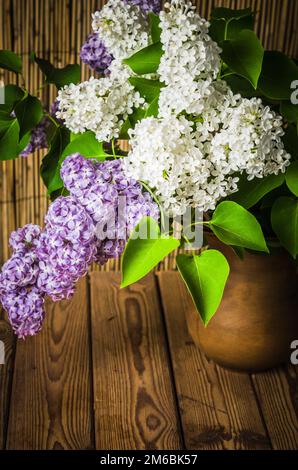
(292, 177)
(87, 145)
(284, 220)
(242, 86)
(23, 142)
(244, 55)
(153, 109)
(74, 136)
(148, 89)
(29, 113)
(5, 121)
(49, 173)
(251, 192)
(13, 94)
(227, 14)
(227, 23)
(143, 254)
(289, 111)
(10, 61)
(9, 141)
(130, 122)
(155, 29)
(146, 60)
(205, 277)
(290, 140)
(234, 225)
(123, 135)
(270, 198)
(278, 73)
(239, 251)
(136, 116)
(59, 76)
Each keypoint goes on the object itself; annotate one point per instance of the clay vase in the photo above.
(258, 318)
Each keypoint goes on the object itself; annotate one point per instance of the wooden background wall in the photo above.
(55, 29)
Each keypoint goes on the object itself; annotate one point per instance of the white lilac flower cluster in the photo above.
(196, 167)
(204, 135)
(190, 61)
(102, 105)
(123, 26)
(99, 105)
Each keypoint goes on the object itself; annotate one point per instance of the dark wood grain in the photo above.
(134, 400)
(277, 392)
(51, 395)
(6, 371)
(218, 407)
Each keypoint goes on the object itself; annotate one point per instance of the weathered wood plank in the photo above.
(277, 391)
(51, 395)
(218, 407)
(134, 400)
(6, 370)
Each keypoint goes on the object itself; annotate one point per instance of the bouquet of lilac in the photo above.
(212, 138)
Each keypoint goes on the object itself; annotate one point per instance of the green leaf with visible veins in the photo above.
(29, 113)
(244, 55)
(9, 141)
(205, 277)
(50, 170)
(148, 89)
(143, 253)
(155, 28)
(146, 60)
(234, 225)
(59, 76)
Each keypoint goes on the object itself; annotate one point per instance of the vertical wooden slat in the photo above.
(51, 401)
(133, 398)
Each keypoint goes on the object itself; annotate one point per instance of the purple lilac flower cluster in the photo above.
(38, 139)
(147, 5)
(19, 293)
(81, 228)
(114, 202)
(94, 53)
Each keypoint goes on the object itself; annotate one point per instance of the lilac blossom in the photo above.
(62, 262)
(38, 139)
(102, 192)
(95, 54)
(69, 219)
(53, 111)
(19, 271)
(49, 262)
(25, 311)
(147, 5)
(18, 278)
(25, 239)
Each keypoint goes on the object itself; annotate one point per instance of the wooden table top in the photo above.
(118, 370)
